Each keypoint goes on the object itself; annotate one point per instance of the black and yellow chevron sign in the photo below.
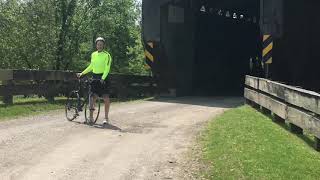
(267, 49)
(149, 54)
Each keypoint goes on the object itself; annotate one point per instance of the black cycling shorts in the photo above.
(99, 88)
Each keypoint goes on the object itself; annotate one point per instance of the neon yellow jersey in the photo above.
(100, 64)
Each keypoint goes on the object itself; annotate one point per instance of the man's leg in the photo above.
(92, 106)
(94, 100)
(106, 106)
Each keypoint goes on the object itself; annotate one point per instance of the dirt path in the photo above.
(147, 140)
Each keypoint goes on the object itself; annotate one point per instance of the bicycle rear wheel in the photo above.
(92, 111)
(71, 107)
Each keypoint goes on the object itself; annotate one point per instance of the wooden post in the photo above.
(265, 110)
(51, 91)
(6, 76)
(317, 143)
(50, 98)
(278, 119)
(267, 73)
(255, 105)
(296, 129)
(248, 102)
(8, 98)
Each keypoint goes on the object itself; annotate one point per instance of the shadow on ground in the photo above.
(219, 102)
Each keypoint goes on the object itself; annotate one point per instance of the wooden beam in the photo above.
(251, 95)
(252, 82)
(27, 89)
(21, 75)
(304, 120)
(272, 88)
(298, 106)
(277, 107)
(59, 82)
(6, 75)
(307, 100)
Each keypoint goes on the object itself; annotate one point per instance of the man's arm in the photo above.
(88, 69)
(107, 68)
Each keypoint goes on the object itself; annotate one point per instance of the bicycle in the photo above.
(75, 103)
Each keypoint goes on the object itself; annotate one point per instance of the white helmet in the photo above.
(100, 39)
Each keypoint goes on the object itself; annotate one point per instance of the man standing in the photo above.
(100, 67)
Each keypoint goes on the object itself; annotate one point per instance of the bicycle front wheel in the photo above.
(71, 109)
(92, 109)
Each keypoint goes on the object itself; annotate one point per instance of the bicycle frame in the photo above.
(89, 94)
(83, 99)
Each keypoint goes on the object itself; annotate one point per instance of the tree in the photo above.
(60, 34)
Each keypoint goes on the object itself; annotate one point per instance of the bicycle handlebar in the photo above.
(87, 79)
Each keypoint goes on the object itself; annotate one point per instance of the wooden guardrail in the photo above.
(299, 107)
(53, 83)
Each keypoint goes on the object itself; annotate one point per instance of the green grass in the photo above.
(33, 106)
(245, 144)
(29, 106)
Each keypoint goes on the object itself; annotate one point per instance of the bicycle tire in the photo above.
(71, 106)
(96, 111)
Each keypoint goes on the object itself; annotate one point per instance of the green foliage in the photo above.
(59, 34)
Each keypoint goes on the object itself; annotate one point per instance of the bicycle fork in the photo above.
(91, 106)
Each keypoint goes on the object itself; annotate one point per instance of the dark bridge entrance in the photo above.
(226, 37)
(204, 47)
